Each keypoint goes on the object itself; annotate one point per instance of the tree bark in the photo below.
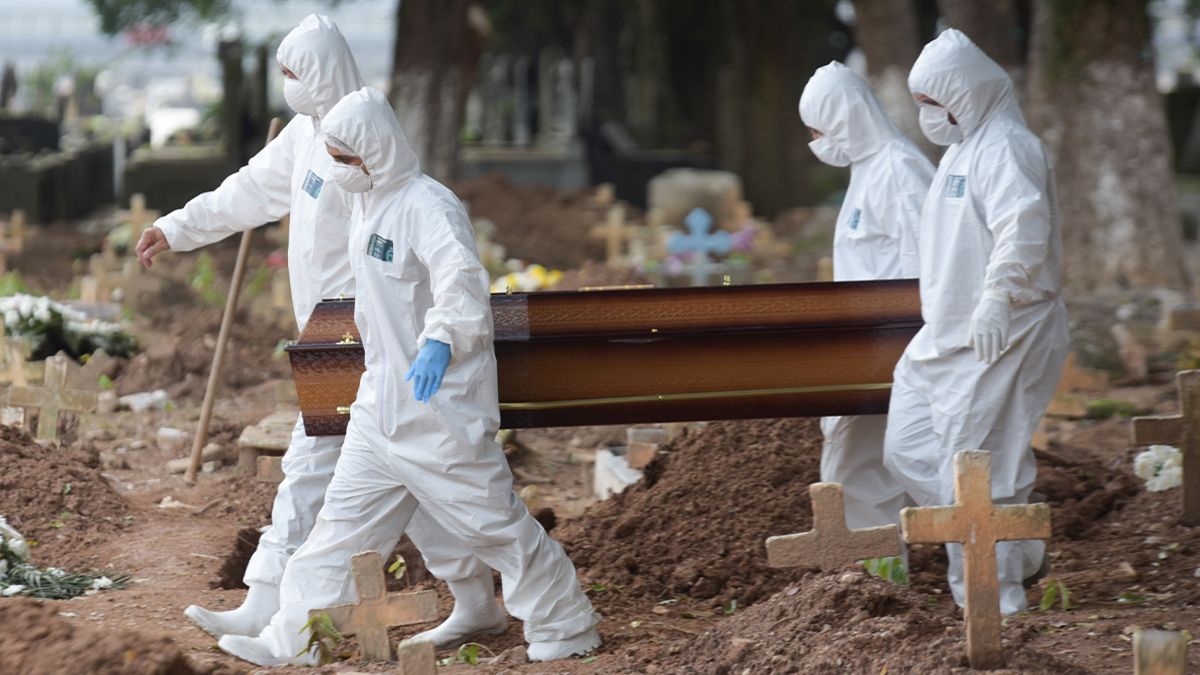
(991, 24)
(887, 33)
(1094, 102)
(438, 45)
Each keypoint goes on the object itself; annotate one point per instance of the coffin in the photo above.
(655, 355)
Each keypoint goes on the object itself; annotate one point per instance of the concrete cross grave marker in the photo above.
(87, 378)
(16, 351)
(977, 523)
(699, 242)
(1183, 431)
(830, 544)
(376, 611)
(614, 232)
(13, 240)
(53, 397)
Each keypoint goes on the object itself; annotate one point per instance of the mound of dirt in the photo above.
(37, 641)
(697, 523)
(180, 360)
(598, 274)
(536, 223)
(849, 623)
(56, 497)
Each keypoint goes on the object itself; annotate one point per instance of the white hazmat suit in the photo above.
(420, 279)
(291, 175)
(875, 238)
(990, 246)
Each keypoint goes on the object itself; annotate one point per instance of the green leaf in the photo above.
(56, 525)
(589, 659)
(67, 489)
(1048, 597)
(731, 606)
(106, 382)
(469, 653)
(1130, 597)
(597, 588)
(634, 624)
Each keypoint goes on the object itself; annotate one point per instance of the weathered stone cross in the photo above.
(88, 377)
(376, 611)
(1182, 430)
(52, 398)
(830, 544)
(977, 523)
(614, 232)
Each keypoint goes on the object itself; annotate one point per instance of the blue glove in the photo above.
(428, 369)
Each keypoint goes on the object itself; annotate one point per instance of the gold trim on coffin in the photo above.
(589, 402)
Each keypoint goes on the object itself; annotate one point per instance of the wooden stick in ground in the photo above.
(214, 373)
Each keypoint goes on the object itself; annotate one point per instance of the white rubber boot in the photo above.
(255, 613)
(561, 649)
(475, 613)
(256, 651)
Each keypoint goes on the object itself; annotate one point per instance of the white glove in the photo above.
(989, 326)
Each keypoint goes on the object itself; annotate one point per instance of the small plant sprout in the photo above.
(1056, 590)
(890, 568)
(400, 569)
(731, 606)
(468, 653)
(66, 489)
(324, 636)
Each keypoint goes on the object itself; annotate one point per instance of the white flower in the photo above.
(56, 571)
(1161, 466)
(102, 582)
(12, 590)
(12, 540)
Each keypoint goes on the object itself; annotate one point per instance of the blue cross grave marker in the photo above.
(699, 242)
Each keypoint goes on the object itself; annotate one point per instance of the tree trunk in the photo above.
(992, 25)
(1094, 102)
(438, 45)
(886, 31)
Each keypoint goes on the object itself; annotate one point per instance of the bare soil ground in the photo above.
(664, 560)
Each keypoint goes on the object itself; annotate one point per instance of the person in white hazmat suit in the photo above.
(875, 238)
(981, 372)
(291, 175)
(424, 311)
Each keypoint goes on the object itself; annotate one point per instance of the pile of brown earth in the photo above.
(56, 498)
(37, 641)
(696, 524)
(536, 223)
(849, 623)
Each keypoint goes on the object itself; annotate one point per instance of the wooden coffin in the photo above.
(656, 355)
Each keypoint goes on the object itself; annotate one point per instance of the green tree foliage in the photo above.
(119, 15)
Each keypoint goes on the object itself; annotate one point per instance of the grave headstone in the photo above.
(53, 397)
(977, 523)
(261, 446)
(699, 242)
(522, 134)
(678, 191)
(496, 96)
(376, 611)
(416, 657)
(1182, 431)
(831, 544)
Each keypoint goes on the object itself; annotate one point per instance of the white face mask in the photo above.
(297, 96)
(350, 177)
(828, 152)
(935, 123)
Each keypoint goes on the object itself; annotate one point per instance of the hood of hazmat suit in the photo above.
(289, 177)
(876, 233)
(989, 223)
(420, 279)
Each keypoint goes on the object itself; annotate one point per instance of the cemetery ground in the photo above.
(676, 564)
